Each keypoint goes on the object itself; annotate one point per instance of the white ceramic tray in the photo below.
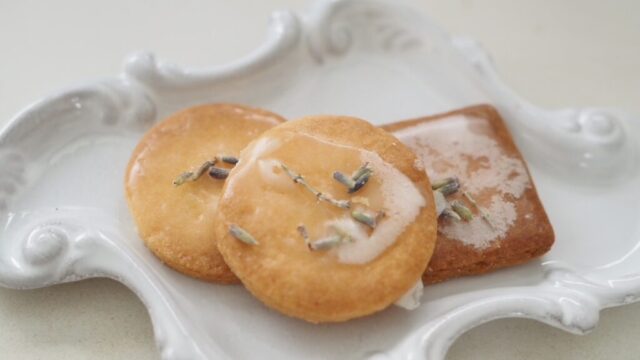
(64, 218)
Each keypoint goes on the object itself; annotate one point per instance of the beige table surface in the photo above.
(555, 53)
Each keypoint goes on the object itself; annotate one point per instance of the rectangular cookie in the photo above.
(474, 145)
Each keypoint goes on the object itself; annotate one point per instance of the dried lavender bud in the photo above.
(242, 235)
(450, 187)
(193, 175)
(442, 182)
(228, 159)
(361, 171)
(364, 218)
(448, 212)
(360, 181)
(326, 243)
(344, 180)
(218, 173)
(462, 210)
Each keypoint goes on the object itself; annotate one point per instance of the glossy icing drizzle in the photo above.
(463, 147)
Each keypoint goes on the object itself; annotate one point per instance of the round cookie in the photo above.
(177, 222)
(283, 228)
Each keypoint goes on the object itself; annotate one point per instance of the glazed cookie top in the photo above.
(508, 224)
(176, 222)
(327, 218)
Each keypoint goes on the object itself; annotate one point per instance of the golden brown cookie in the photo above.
(474, 145)
(283, 227)
(176, 222)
